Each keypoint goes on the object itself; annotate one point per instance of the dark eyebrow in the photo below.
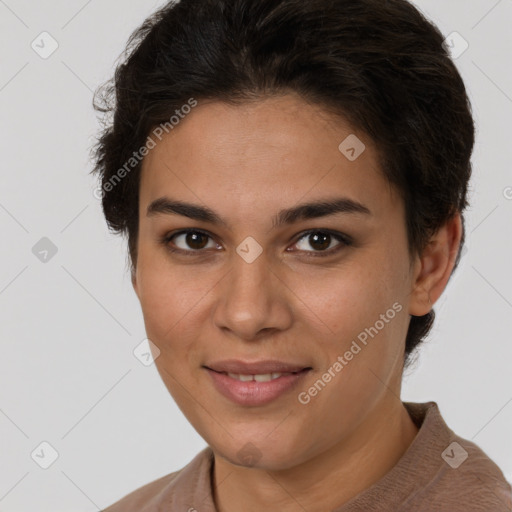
(317, 209)
(313, 210)
(166, 206)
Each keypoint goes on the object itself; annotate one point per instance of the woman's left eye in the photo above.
(322, 241)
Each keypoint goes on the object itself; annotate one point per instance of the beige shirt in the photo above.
(433, 475)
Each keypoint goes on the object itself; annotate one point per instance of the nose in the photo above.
(253, 300)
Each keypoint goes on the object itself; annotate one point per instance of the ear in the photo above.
(433, 268)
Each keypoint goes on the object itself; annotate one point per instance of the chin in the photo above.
(248, 452)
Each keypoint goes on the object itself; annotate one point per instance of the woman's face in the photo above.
(255, 284)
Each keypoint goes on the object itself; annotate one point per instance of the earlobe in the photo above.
(435, 266)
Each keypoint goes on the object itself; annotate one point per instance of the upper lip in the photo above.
(256, 367)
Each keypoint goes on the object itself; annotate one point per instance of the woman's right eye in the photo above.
(192, 241)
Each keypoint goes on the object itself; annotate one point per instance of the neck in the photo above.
(357, 462)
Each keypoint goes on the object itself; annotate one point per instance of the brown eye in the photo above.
(190, 241)
(196, 240)
(322, 242)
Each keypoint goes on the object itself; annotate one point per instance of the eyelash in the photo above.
(340, 237)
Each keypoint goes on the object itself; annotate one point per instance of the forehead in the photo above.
(258, 155)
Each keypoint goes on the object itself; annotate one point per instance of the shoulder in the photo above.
(470, 477)
(465, 477)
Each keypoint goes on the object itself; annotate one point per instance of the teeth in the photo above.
(244, 378)
(265, 377)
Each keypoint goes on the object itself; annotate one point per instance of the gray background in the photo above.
(69, 325)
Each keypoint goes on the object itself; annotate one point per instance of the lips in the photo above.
(263, 367)
(259, 389)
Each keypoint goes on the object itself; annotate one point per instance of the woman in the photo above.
(291, 177)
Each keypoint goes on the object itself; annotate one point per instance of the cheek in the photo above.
(340, 302)
(168, 297)
(361, 314)
(170, 301)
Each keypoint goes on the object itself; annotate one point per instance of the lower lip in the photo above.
(253, 393)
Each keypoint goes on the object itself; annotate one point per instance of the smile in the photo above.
(262, 377)
(255, 389)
